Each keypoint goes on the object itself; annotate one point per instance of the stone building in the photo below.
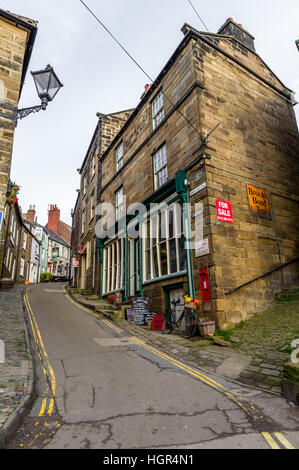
(42, 236)
(35, 254)
(17, 37)
(216, 130)
(84, 217)
(12, 235)
(21, 254)
(58, 255)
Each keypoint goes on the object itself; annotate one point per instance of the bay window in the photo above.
(114, 266)
(164, 244)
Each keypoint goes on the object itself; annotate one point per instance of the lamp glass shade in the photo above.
(47, 83)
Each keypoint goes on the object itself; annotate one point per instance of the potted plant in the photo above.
(45, 277)
(191, 303)
(112, 300)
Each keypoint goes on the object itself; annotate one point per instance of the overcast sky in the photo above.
(99, 77)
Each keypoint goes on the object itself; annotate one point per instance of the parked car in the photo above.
(60, 279)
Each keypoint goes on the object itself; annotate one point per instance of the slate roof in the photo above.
(56, 238)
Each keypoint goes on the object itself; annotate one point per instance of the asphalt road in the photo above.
(99, 388)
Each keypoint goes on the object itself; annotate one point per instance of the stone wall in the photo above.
(13, 46)
(257, 144)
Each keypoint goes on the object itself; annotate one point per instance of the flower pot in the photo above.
(207, 329)
(191, 305)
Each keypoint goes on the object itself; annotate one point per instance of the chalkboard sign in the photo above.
(140, 309)
(129, 314)
(148, 317)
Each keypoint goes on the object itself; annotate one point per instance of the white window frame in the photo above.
(154, 242)
(24, 246)
(160, 167)
(119, 203)
(158, 112)
(92, 205)
(119, 156)
(83, 221)
(22, 266)
(114, 267)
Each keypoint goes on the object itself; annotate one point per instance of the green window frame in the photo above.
(164, 252)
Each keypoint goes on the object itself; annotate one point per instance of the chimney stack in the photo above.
(230, 28)
(30, 216)
(53, 218)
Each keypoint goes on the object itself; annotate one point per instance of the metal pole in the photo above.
(277, 239)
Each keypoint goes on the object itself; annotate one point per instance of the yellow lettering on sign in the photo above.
(259, 202)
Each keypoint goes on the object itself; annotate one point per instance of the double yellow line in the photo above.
(107, 322)
(47, 367)
(274, 440)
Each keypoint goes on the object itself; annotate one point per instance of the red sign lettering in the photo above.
(224, 211)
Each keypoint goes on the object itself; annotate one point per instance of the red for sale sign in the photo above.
(224, 211)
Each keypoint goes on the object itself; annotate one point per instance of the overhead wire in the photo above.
(226, 59)
(139, 66)
(199, 16)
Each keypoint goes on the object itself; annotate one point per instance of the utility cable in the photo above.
(198, 15)
(139, 66)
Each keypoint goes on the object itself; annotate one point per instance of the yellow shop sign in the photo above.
(259, 202)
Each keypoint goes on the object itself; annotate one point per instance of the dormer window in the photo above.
(158, 110)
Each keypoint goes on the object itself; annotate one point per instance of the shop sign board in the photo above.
(259, 202)
(140, 309)
(199, 188)
(55, 252)
(202, 248)
(76, 262)
(224, 211)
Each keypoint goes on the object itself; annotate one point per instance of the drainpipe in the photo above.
(182, 190)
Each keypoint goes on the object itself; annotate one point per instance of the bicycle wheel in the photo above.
(190, 324)
(167, 324)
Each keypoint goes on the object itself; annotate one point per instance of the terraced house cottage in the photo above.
(216, 128)
(86, 272)
(17, 37)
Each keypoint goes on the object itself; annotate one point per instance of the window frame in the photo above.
(119, 166)
(154, 245)
(156, 181)
(160, 110)
(114, 267)
(117, 206)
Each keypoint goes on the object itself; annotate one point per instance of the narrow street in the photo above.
(99, 388)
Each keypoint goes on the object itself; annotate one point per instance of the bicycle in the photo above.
(188, 314)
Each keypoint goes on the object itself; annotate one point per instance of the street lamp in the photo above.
(47, 86)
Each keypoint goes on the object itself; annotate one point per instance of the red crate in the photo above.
(157, 323)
